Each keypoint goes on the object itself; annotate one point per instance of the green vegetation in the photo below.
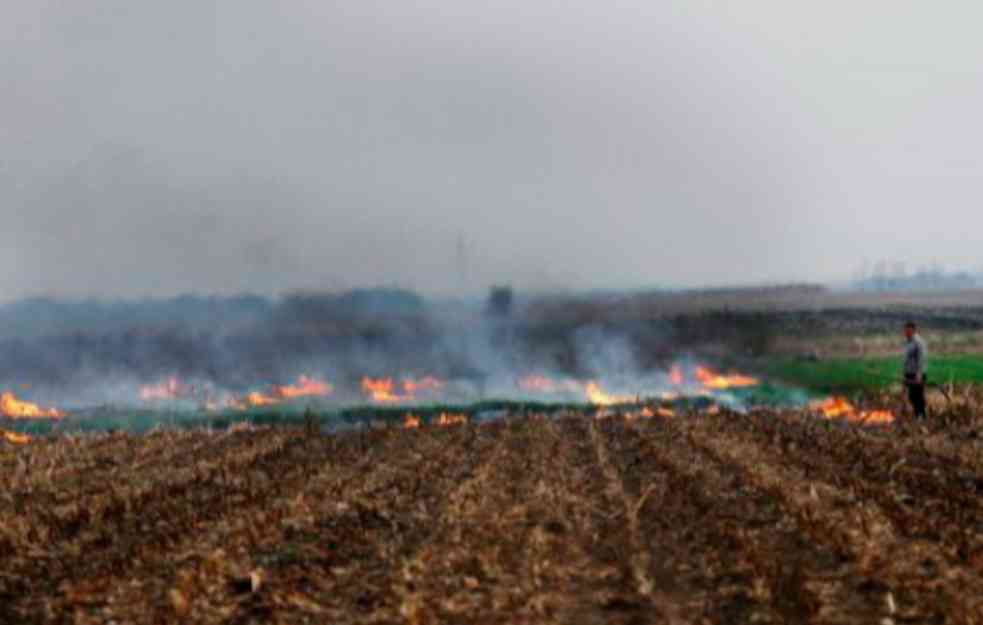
(845, 375)
(311, 416)
(316, 417)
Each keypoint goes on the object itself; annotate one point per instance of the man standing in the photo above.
(914, 369)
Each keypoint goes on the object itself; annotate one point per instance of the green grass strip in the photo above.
(846, 375)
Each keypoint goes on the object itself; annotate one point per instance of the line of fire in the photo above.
(681, 389)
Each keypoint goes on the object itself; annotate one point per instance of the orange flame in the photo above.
(445, 419)
(713, 380)
(305, 387)
(13, 408)
(649, 413)
(253, 400)
(259, 399)
(16, 438)
(841, 408)
(676, 375)
(429, 383)
(877, 416)
(597, 396)
(411, 422)
(592, 389)
(537, 384)
(542, 384)
(383, 390)
(169, 389)
(834, 407)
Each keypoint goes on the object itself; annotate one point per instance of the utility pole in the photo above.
(462, 265)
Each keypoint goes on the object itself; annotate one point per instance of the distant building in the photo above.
(925, 279)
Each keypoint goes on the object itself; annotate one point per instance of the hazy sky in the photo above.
(151, 147)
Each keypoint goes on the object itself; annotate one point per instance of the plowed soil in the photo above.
(765, 518)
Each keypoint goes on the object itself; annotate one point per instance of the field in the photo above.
(528, 512)
(849, 375)
(772, 517)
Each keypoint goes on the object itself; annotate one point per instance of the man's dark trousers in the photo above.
(916, 395)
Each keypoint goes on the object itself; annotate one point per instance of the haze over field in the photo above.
(150, 148)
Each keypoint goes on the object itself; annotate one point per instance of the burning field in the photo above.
(608, 515)
(681, 387)
(203, 360)
(475, 470)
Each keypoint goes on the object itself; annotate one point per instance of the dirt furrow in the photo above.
(48, 450)
(518, 540)
(161, 517)
(414, 587)
(209, 574)
(70, 515)
(640, 558)
(98, 473)
(40, 464)
(698, 519)
(345, 555)
(927, 497)
(943, 454)
(726, 533)
(903, 569)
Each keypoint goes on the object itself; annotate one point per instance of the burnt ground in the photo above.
(768, 518)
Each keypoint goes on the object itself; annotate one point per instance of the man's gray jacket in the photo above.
(914, 357)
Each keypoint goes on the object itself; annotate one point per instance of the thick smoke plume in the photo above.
(82, 353)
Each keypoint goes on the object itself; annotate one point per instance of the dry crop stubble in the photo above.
(771, 516)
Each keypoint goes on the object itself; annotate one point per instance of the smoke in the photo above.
(90, 352)
(155, 148)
